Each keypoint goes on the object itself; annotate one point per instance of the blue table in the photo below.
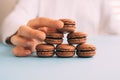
(105, 65)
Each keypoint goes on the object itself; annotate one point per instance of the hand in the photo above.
(28, 36)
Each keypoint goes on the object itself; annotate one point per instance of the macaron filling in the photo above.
(44, 50)
(69, 26)
(53, 38)
(77, 37)
(64, 51)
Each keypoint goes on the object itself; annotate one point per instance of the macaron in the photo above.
(54, 38)
(86, 50)
(77, 38)
(45, 50)
(65, 50)
(69, 26)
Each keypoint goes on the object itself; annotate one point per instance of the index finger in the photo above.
(27, 32)
(45, 22)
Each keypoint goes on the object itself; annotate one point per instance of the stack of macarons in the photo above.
(76, 43)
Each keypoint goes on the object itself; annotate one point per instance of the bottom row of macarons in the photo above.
(65, 50)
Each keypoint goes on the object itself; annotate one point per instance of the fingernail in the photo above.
(42, 36)
(60, 24)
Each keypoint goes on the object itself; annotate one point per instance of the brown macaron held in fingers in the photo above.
(45, 50)
(69, 26)
(85, 50)
(65, 50)
(76, 38)
(54, 38)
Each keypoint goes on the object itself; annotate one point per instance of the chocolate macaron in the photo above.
(76, 38)
(86, 50)
(65, 50)
(69, 26)
(54, 38)
(45, 50)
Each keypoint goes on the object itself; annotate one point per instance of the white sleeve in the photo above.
(109, 23)
(23, 11)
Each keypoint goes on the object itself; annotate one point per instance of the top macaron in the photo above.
(69, 26)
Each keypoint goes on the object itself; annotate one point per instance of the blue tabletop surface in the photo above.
(105, 65)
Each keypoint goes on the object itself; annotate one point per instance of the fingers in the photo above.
(22, 41)
(50, 30)
(44, 29)
(47, 29)
(21, 52)
(42, 21)
(28, 32)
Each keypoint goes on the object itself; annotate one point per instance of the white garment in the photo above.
(92, 16)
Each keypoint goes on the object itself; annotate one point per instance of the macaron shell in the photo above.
(65, 47)
(77, 41)
(53, 41)
(54, 35)
(65, 54)
(77, 35)
(45, 54)
(67, 21)
(86, 47)
(86, 54)
(44, 47)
